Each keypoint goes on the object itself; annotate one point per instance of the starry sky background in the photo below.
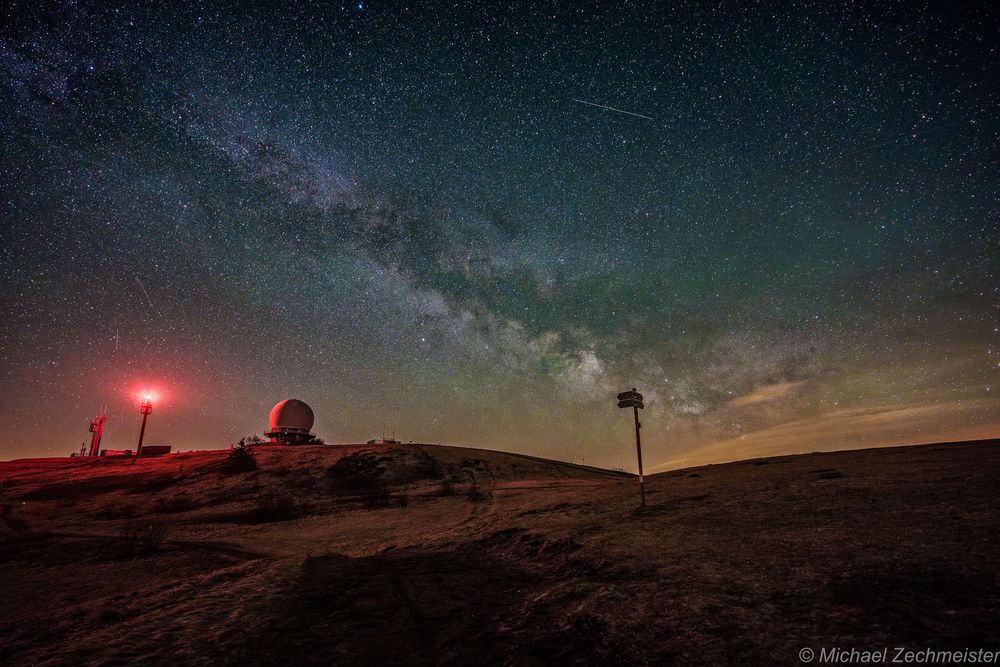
(399, 213)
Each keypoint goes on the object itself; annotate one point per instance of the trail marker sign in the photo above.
(633, 399)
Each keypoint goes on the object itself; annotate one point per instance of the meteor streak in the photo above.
(602, 106)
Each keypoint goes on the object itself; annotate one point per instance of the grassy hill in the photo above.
(445, 555)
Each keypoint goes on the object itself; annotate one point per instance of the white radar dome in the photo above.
(291, 414)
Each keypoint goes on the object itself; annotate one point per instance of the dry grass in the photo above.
(314, 557)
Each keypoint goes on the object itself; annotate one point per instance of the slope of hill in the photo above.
(441, 555)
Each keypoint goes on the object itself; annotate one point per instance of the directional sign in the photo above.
(633, 399)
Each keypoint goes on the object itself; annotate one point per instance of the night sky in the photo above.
(408, 216)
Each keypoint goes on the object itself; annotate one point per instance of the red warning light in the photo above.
(146, 395)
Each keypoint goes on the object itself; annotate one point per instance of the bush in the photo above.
(241, 458)
(275, 506)
(447, 488)
(143, 541)
(14, 523)
(376, 496)
(477, 495)
(67, 500)
(357, 472)
(403, 500)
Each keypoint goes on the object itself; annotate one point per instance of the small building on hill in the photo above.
(155, 450)
(383, 441)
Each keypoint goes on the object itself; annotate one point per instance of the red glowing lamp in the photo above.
(145, 407)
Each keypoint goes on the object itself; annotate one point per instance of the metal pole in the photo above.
(638, 451)
(142, 432)
(97, 428)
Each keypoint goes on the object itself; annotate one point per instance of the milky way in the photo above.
(405, 217)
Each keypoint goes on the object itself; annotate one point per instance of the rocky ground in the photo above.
(418, 554)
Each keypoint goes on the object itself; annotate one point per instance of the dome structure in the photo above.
(292, 414)
(290, 422)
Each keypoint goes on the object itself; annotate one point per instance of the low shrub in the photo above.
(356, 472)
(139, 540)
(476, 494)
(376, 496)
(241, 458)
(67, 501)
(14, 523)
(275, 506)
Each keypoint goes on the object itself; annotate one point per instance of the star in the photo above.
(757, 218)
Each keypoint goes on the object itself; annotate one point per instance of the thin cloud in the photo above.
(765, 393)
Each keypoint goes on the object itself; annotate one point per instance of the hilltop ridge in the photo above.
(448, 555)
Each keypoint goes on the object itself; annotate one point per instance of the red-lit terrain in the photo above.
(437, 555)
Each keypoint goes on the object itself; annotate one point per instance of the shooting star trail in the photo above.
(143, 288)
(602, 106)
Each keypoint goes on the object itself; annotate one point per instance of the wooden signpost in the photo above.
(633, 399)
